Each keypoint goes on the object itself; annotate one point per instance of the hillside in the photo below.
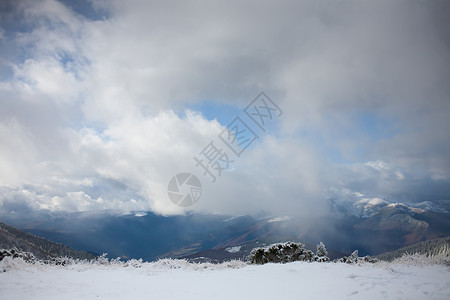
(429, 248)
(11, 237)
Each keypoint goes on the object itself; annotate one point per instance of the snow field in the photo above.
(174, 279)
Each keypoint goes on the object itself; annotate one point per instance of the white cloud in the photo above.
(17, 153)
(87, 119)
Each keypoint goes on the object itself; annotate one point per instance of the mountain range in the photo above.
(372, 226)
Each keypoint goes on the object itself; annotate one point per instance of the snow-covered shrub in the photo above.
(117, 261)
(15, 253)
(102, 259)
(61, 261)
(169, 263)
(232, 264)
(321, 258)
(134, 263)
(280, 253)
(9, 263)
(370, 259)
(422, 259)
(15, 259)
(354, 258)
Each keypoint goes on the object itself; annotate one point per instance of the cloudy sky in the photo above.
(103, 102)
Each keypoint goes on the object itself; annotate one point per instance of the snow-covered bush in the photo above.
(417, 259)
(134, 263)
(15, 253)
(232, 264)
(102, 259)
(370, 259)
(354, 258)
(280, 253)
(169, 263)
(61, 261)
(9, 263)
(10, 259)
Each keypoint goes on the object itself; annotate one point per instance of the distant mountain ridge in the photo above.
(41, 248)
(373, 226)
(364, 207)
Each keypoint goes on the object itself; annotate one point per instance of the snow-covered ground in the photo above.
(169, 279)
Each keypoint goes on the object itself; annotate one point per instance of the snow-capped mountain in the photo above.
(364, 206)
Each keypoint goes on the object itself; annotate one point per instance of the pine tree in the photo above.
(321, 250)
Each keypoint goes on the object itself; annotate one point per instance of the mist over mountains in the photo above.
(372, 227)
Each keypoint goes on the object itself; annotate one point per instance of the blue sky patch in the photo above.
(222, 112)
(375, 126)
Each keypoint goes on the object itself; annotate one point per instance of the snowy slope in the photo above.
(180, 280)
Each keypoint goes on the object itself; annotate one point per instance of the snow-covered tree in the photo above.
(321, 254)
(321, 250)
(354, 257)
